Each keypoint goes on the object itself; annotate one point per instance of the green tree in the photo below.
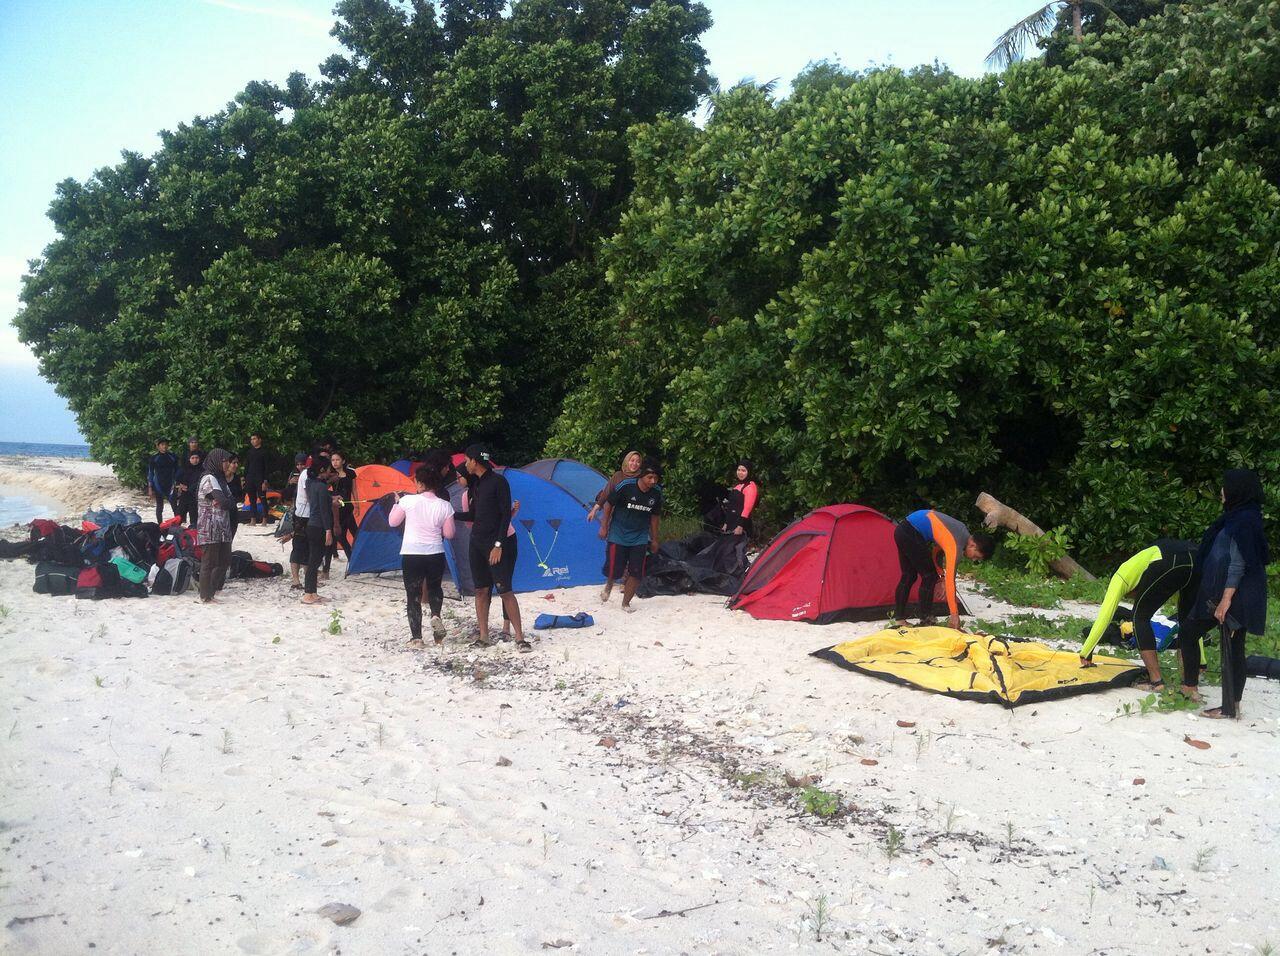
(404, 253)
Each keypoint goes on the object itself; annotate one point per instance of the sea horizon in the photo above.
(33, 449)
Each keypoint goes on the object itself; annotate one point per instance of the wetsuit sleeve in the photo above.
(465, 514)
(502, 498)
(749, 495)
(325, 503)
(944, 539)
(151, 473)
(1235, 566)
(1122, 582)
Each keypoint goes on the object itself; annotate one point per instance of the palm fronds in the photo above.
(1012, 44)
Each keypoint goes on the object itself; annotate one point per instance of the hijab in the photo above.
(751, 471)
(634, 472)
(1241, 517)
(213, 465)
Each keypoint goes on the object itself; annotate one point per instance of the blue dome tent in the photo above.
(558, 547)
(581, 481)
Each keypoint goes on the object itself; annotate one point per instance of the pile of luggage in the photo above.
(116, 554)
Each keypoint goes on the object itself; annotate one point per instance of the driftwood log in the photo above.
(1000, 515)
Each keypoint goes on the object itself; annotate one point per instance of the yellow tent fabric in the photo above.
(977, 666)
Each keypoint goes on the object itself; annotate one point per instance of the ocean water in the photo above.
(15, 509)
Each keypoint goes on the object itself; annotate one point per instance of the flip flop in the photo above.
(1215, 713)
(524, 647)
(1153, 687)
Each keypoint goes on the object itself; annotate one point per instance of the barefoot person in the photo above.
(255, 479)
(162, 477)
(630, 526)
(1152, 576)
(1232, 599)
(922, 538)
(344, 493)
(298, 552)
(213, 526)
(630, 469)
(319, 529)
(493, 549)
(428, 521)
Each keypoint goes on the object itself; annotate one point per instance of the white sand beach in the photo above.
(180, 778)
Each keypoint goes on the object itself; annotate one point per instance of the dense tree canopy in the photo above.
(401, 254)
(1060, 283)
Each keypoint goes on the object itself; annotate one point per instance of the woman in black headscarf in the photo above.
(732, 512)
(213, 530)
(1233, 558)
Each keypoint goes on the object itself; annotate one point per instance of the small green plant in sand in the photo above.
(561, 685)
(1204, 857)
(1168, 701)
(820, 803)
(97, 681)
(4, 611)
(1008, 833)
(819, 916)
(335, 622)
(111, 781)
(164, 758)
(276, 639)
(751, 779)
(893, 841)
(226, 741)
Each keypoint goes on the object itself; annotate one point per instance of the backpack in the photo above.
(243, 566)
(172, 577)
(56, 579)
(104, 581)
(129, 571)
(137, 541)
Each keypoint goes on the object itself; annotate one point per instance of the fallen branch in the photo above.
(999, 515)
(663, 913)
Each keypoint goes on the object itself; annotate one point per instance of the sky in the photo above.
(81, 81)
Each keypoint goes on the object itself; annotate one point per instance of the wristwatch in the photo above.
(497, 544)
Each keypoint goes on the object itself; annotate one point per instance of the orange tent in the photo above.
(374, 481)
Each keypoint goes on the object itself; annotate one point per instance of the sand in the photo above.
(188, 779)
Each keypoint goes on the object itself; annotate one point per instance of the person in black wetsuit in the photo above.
(187, 485)
(319, 530)
(344, 493)
(493, 550)
(162, 475)
(255, 479)
(236, 486)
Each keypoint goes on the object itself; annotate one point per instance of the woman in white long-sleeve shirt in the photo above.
(427, 520)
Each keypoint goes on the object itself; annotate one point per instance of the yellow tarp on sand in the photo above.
(976, 666)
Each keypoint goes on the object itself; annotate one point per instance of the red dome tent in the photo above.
(835, 563)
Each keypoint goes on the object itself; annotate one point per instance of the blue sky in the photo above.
(83, 80)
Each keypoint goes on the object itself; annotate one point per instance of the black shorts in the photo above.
(630, 558)
(497, 576)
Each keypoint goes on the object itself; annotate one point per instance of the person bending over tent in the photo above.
(162, 475)
(1232, 558)
(493, 549)
(922, 538)
(427, 520)
(1152, 576)
(630, 526)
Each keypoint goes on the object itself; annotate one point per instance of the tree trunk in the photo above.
(1002, 516)
(1075, 22)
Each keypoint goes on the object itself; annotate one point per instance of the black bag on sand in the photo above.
(56, 579)
(1255, 665)
(243, 566)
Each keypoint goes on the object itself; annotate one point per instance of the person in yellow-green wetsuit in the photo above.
(1152, 576)
(922, 538)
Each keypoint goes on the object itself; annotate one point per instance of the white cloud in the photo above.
(279, 11)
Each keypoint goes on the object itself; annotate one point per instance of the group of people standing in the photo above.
(322, 491)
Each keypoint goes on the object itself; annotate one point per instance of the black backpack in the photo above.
(172, 577)
(56, 579)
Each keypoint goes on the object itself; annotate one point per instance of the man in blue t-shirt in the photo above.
(630, 525)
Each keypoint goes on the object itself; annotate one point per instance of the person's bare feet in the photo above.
(1191, 693)
(312, 599)
(604, 594)
(629, 609)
